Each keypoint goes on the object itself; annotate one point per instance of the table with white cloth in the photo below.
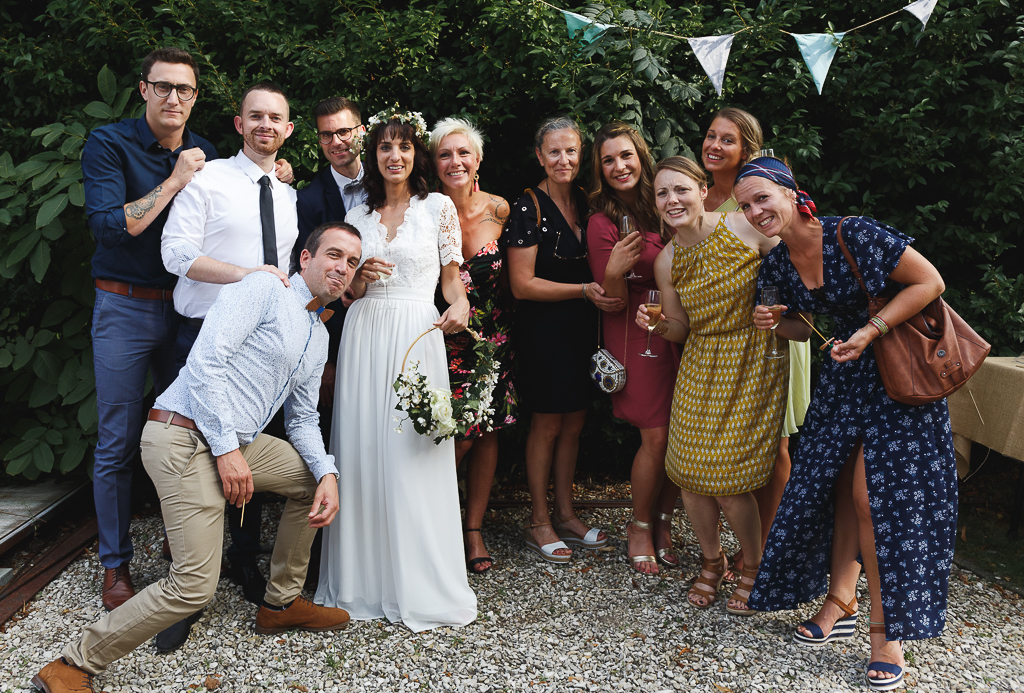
(989, 410)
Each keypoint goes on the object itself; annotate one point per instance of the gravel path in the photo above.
(592, 625)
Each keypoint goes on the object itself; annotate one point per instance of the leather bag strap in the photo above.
(536, 204)
(849, 258)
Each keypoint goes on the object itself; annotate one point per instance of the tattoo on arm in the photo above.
(500, 214)
(142, 206)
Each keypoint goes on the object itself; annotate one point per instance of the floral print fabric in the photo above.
(908, 453)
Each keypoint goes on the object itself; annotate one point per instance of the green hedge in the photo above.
(920, 129)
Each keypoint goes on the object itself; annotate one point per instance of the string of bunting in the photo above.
(712, 52)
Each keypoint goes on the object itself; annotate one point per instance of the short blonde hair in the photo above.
(456, 126)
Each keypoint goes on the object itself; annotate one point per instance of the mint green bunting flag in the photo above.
(818, 51)
(591, 29)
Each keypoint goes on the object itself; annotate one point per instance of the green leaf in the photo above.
(42, 393)
(47, 366)
(54, 437)
(76, 195)
(73, 455)
(19, 465)
(22, 250)
(107, 84)
(28, 169)
(5, 358)
(122, 101)
(83, 388)
(40, 261)
(23, 356)
(50, 209)
(21, 448)
(662, 131)
(87, 414)
(56, 312)
(53, 230)
(98, 109)
(46, 176)
(42, 338)
(42, 457)
(6, 165)
(68, 378)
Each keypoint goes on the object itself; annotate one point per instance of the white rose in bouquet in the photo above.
(441, 411)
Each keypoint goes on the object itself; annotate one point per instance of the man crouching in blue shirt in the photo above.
(263, 345)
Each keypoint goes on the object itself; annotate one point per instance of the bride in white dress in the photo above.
(395, 549)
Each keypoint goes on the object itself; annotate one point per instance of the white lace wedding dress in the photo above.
(395, 548)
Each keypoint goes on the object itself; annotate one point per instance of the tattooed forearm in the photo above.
(142, 206)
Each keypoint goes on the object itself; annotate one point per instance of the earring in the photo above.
(476, 182)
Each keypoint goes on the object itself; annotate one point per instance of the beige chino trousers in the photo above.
(184, 472)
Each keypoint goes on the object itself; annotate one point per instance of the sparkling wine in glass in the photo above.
(770, 298)
(626, 228)
(653, 306)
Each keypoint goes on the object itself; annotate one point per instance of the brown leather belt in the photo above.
(133, 291)
(175, 418)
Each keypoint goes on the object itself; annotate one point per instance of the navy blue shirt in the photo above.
(121, 163)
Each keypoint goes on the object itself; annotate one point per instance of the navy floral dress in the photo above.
(908, 452)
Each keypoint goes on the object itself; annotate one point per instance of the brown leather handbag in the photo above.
(927, 357)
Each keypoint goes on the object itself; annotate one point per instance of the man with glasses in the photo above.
(132, 170)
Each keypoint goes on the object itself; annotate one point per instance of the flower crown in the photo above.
(414, 118)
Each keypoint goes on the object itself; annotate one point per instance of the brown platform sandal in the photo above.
(707, 587)
(742, 592)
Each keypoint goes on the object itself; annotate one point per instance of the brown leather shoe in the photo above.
(303, 615)
(61, 677)
(117, 587)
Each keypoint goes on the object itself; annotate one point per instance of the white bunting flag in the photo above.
(713, 54)
(818, 51)
(922, 9)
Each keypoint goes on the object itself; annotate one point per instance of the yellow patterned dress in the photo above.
(729, 399)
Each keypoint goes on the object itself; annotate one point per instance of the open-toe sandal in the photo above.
(842, 629)
(589, 541)
(707, 587)
(663, 554)
(742, 592)
(635, 561)
(472, 563)
(547, 552)
(883, 684)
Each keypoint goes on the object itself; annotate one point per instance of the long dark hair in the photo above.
(373, 180)
(602, 198)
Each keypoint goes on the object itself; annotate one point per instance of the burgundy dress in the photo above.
(646, 401)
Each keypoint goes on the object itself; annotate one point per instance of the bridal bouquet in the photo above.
(433, 412)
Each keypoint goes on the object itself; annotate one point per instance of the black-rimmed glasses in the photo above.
(343, 134)
(186, 92)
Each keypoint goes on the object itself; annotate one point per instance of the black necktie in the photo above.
(267, 222)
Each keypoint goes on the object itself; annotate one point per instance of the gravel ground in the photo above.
(592, 625)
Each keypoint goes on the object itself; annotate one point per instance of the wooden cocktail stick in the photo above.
(828, 341)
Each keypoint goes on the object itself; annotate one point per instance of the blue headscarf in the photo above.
(777, 172)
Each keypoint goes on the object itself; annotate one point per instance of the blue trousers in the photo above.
(130, 337)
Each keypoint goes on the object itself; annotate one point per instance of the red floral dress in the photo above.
(491, 317)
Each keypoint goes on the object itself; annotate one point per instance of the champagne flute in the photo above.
(626, 228)
(653, 306)
(770, 298)
(385, 279)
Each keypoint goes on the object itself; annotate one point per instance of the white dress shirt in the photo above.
(352, 193)
(217, 215)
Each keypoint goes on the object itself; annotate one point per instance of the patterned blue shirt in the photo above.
(259, 349)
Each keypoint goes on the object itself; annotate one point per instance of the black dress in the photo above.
(553, 339)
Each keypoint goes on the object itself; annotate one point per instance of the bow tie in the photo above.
(315, 307)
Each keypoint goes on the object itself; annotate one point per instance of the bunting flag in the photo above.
(713, 54)
(818, 51)
(922, 9)
(591, 29)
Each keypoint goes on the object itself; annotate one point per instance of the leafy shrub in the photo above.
(920, 129)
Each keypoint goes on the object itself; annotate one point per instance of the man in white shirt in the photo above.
(237, 218)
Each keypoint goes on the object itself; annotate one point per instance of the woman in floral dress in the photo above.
(457, 149)
(871, 476)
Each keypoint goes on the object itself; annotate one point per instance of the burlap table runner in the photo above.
(998, 420)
